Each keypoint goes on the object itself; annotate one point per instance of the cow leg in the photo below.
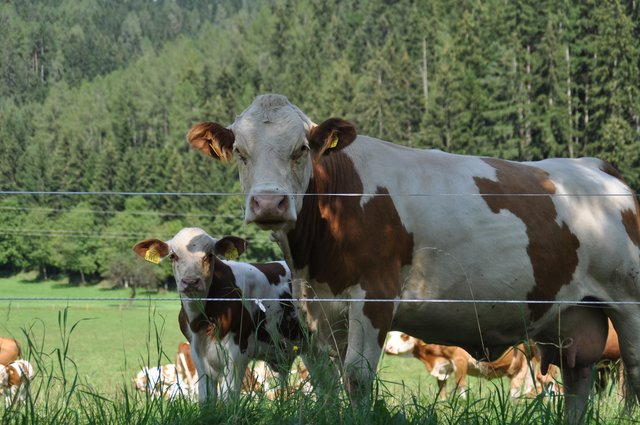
(577, 382)
(368, 326)
(324, 348)
(207, 387)
(235, 369)
(627, 325)
(461, 364)
(580, 336)
(323, 370)
(442, 389)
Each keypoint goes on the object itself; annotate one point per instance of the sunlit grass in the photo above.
(85, 354)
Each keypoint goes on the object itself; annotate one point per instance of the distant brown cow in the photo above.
(9, 350)
(444, 361)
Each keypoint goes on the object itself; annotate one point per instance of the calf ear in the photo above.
(230, 247)
(331, 135)
(152, 250)
(212, 139)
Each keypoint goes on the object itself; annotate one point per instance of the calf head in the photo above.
(192, 253)
(399, 344)
(275, 146)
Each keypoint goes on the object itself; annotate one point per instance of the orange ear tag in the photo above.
(152, 256)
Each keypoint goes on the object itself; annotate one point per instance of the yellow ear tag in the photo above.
(152, 256)
(232, 253)
(334, 140)
(216, 149)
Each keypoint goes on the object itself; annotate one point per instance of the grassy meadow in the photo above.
(86, 352)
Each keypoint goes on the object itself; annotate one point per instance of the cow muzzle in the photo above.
(270, 211)
(191, 286)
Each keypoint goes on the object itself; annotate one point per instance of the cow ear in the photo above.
(152, 250)
(213, 140)
(331, 135)
(230, 247)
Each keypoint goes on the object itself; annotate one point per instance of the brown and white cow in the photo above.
(185, 367)
(226, 335)
(365, 219)
(9, 350)
(14, 381)
(443, 362)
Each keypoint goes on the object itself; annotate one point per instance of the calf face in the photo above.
(399, 343)
(191, 252)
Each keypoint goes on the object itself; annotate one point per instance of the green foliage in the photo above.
(98, 95)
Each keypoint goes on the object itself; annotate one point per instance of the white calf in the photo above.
(225, 334)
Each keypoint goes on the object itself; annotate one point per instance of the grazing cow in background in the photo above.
(14, 381)
(185, 367)
(9, 350)
(157, 381)
(443, 361)
(226, 335)
(365, 219)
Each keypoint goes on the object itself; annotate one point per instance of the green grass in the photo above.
(111, 341)
(86, 353)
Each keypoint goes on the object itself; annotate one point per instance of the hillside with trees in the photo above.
(96, 98)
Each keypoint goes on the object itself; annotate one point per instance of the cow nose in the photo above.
(190, 283)
(269, 207)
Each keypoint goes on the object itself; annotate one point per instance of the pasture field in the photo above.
(86, 353)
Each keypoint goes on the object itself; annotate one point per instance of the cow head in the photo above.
(192, 253)
(275, 146)
(399, 344)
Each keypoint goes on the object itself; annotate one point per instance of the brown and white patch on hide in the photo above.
(552, 247)
(344, 243)
(274, 272)
(219, 318)
(631, 222)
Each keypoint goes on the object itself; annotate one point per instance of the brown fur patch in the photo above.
(9, 350)
(631, 222)
(274, 272)
(552, 248)
(344, 244)
(222, 317)
(611, 170)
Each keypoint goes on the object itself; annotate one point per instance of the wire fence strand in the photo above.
(345, 300)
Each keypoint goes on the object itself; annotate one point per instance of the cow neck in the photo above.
(343, 243)
(311, 238)
(333, 236)
(216, 316)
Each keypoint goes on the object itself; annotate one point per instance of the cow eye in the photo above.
(241, 157)
(173, 257)
(300, 152)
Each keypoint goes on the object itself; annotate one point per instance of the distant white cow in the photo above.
(226, 335)
(156, 381)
